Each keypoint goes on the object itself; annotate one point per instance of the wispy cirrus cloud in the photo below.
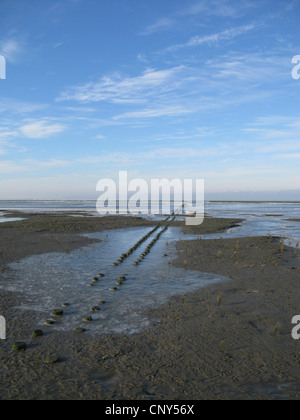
(11, 49)
(30, 165)
(159, 25)
(7, 134)
(41, 129)
(185, 89)
(16, 106)
(153, 155)
(5, 141)
(219, 8)
(276, 136)
(255, 67)
(276, 127)
(288, 156)
(215, 38)
(117, 88)
(229, 9)
(166, 111)
(52, 163)
(10, 167)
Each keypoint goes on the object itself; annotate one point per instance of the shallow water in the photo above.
(10, 219)
(47, 281)
(4, 218)
(261, 219)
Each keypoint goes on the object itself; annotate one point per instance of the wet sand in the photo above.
(227, 341)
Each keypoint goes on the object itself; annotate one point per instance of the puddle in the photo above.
(5, 219)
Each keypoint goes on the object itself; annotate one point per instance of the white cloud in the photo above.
(58, 44)
(228, 34)
(5, 141)
(13, 106)
(9, 167)
(29, 165)
(186, 89)
(253, 68)
(168, 111)
(53, 163)
(280, 132)
(154, 155)
(225, 35)
(283, 146)
(275, 120)
(81, 109)
(209, 8)
(7, 134)
(288, 156)
(41, 129)
(221, 8)
(3, 150)
(161, 24)
(10, 49)
(142, 58)
(115, 88)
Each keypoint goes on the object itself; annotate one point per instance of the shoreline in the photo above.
(231, 340)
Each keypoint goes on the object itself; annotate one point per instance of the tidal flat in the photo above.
(228, 340)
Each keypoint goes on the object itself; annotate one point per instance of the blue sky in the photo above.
(175, 89)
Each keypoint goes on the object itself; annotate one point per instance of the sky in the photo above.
(193, 89)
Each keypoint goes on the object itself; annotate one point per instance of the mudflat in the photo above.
(231, 340)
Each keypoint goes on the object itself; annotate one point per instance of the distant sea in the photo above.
(46, 206)
(78, 206)
(261, 218)
(212, 208)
